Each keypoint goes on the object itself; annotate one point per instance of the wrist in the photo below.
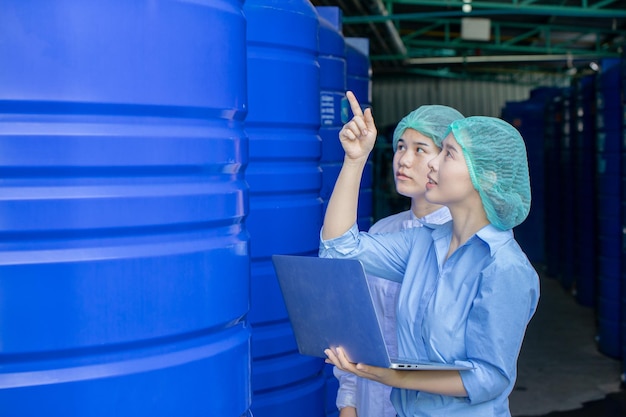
(359, 162)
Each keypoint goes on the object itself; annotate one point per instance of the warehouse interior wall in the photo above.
(393, 98)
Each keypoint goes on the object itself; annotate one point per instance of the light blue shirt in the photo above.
(470, 309)
(371, 398)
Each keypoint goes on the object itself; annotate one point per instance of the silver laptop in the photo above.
(330, 305)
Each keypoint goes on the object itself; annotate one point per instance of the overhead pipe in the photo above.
(498, 58)
(391, 28)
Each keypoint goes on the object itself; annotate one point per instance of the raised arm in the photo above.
(357, 139)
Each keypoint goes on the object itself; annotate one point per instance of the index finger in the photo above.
(354, 104)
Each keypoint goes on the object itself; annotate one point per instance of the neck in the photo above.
(421, 208)
(465, 225)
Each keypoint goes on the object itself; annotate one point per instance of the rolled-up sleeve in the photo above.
(383, 254)
(497, 322)
(342, 246)
(346, 394)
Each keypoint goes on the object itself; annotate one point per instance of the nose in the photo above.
(432, 164)
(405, 159)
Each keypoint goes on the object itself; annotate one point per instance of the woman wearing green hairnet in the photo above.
(416, 140)
(467, 289)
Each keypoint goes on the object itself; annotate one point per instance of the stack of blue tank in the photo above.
(553, 206)
(566, 195)
(608, 200)
(285, 207)
(584, 225)
(124, 259)
(359, 81)
(623, 211)
(333, 73)
(332, 60)
(529, 117)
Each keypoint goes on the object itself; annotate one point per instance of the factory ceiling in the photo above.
(486, 39)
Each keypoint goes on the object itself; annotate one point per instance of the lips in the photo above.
(431, 183)
(401, 176)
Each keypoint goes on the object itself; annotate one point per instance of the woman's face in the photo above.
(410, 163)
(449, 182)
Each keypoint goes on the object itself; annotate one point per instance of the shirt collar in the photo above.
(492, 236)
(439, 216)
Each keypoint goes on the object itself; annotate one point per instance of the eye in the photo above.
(420, 150)
(401, 147)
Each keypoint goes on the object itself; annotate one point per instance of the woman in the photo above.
(416, 140)
(468, 291)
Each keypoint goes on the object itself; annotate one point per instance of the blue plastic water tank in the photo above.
(285, 207)
(608, 203)
(584, 192)
(566, 194)
(124, 262)
(332, 60)
(553, 207)
(359, 81)
(528, 118)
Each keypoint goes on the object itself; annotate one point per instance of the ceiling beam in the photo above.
(528, 7)
(498, 58)
(490, 10)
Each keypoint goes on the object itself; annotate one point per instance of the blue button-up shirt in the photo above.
(472, 308)
(371, 398)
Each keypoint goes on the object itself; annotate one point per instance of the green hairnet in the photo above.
(496, 157)
(432, 121)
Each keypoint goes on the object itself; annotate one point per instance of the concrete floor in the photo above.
(561, 373)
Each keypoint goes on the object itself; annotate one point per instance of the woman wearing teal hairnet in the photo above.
(468, 291)
(416, 140)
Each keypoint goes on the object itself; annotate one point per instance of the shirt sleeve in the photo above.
(383, 254)
(346, 394)
(506, 300)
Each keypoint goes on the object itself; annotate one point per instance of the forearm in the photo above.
(341, 212)
(435, 382)
(357, 139)
(348, 412)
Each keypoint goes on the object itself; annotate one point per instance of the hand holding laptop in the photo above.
(330, 305)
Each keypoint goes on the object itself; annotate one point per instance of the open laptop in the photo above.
(330, 305)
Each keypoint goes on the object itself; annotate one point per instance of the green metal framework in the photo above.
(428, 34)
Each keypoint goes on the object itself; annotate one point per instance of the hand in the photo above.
(358, 136)
(338, 358)
(347, 412)
(436, 382)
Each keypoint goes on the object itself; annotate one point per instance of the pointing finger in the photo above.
(369, 119)
(354, 104)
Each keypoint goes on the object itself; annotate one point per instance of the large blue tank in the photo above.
(608, 203)
(531, 118)
(124, 262)
(553, 207)
(566, 194)
(285, 206)
(584, 192)
(332, 60)
(528, 118)
(359, 81)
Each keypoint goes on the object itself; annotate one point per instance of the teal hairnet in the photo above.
(432, 121)
(496, 157)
